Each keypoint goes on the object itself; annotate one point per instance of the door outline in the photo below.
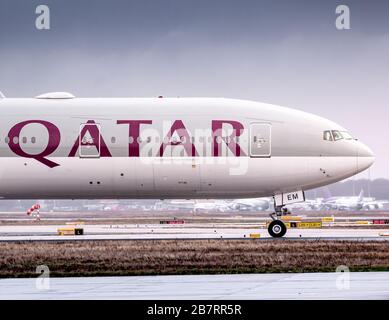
(81, 146)
(254, 154)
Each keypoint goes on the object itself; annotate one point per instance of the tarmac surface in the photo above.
(140, 225)
(192, 231)
(356, 285)
(327, 286)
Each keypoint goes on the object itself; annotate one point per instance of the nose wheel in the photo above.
(277, 229)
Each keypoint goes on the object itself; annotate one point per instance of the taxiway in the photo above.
(192, 231)
(328, 286)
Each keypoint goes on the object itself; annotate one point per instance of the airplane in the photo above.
(353, 203)
(375, 205)
(259, 204)
(216, 205)
(193, 205)
(345, 203)
(308, 205)
(175, 204)
(57, 146)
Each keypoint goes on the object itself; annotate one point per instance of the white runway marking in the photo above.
(363, 285)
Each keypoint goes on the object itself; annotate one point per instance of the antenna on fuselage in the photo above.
(2, 96)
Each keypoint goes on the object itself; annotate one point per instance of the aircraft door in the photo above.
(89, 140)
(260, 140)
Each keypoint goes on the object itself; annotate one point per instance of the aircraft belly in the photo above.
(124, 177)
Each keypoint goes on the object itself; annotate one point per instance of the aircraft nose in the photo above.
(365, 157)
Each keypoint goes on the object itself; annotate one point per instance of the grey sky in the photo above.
(281, 52)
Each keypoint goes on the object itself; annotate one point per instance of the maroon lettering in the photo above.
(185, 140)
(94, 132)
(52, 144)
(134, 132)
(237, 130)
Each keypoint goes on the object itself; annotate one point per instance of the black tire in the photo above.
(277, 229)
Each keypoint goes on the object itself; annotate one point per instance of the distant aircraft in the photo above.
(308, 204)
(175, 204)
(353, 203)
(344, 203)
(258, 204)
(58, 146)
(375, 205)
(217, 205)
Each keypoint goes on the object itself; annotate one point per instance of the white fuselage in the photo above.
(167, 148)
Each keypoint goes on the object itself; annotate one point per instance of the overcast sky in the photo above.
(282, 52)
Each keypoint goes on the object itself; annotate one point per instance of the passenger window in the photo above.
(336, 134)
(327, 135)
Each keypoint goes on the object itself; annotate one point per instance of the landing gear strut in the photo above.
(277, 228)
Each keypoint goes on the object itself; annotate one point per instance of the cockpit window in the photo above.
(337, 135)
(327, 135)
(346, 135)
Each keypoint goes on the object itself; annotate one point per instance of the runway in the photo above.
(328, 286)
(193, 231)
(215, 231)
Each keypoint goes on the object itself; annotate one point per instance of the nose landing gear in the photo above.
(277, 228)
